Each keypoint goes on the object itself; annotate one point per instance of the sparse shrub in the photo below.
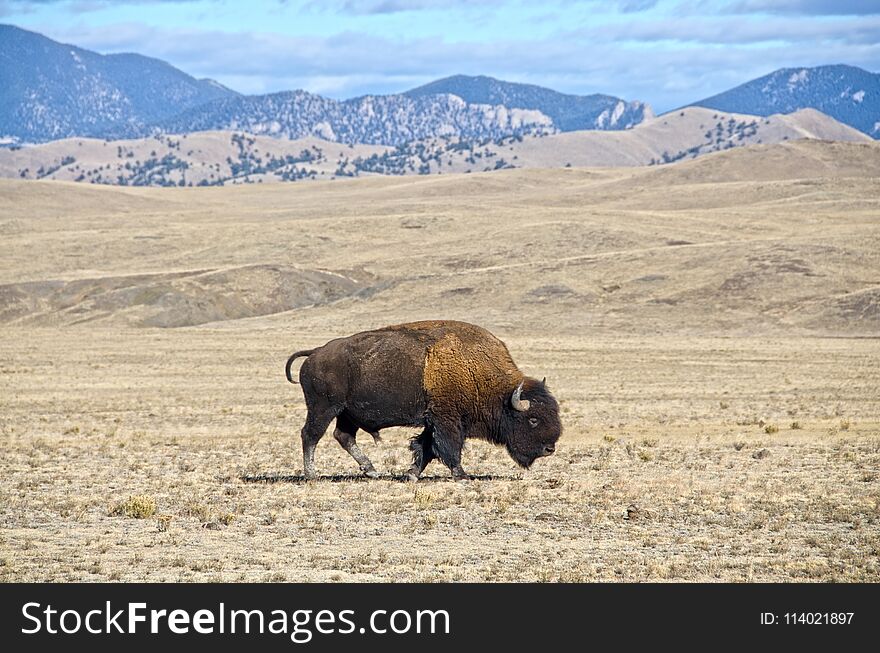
(163, 522)
(195, 509)
(227, 518)
(796, 426)
(646, 456)
(723, 405)
(738, 445)
(139, 506)
(771, 428)
(608, 438)
(845, 424)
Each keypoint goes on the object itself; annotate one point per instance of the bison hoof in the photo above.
(459, 474)
(412, 476)
(371, 473)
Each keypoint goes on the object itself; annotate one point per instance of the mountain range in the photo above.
(568, 112)
(371, 119)
(50, 91)
(846, 93)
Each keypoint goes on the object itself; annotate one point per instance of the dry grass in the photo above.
(717, 497)
(139, 507)
(668, 468)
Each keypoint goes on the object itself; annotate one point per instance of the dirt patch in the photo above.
(550, 293)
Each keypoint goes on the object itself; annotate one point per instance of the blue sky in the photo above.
(665, 52)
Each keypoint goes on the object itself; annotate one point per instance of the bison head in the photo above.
(532, 422)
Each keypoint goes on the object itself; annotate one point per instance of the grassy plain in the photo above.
(710, 329)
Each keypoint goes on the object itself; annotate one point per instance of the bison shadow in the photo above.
(341, 478)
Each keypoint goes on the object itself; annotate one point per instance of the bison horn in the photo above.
(516, 402)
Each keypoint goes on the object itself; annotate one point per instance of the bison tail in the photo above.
(293, 357)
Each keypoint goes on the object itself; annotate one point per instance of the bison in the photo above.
(454, 379)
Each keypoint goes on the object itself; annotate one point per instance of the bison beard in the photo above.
(454, 379)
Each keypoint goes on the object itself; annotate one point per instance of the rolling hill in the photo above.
(676, 136)
(772, 239)
(220, 157)
(201, 158)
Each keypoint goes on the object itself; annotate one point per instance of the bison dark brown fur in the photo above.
(454, 379)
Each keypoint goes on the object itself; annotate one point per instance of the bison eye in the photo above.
(533, 421)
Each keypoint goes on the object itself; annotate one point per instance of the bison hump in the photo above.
(468, 370)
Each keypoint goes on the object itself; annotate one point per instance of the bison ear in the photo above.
(521, 405)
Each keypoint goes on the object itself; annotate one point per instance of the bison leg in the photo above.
(423, 453)
(345, 435)
(447, 445)
(316, 424)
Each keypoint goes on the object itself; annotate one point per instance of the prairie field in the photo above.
(711, 330)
